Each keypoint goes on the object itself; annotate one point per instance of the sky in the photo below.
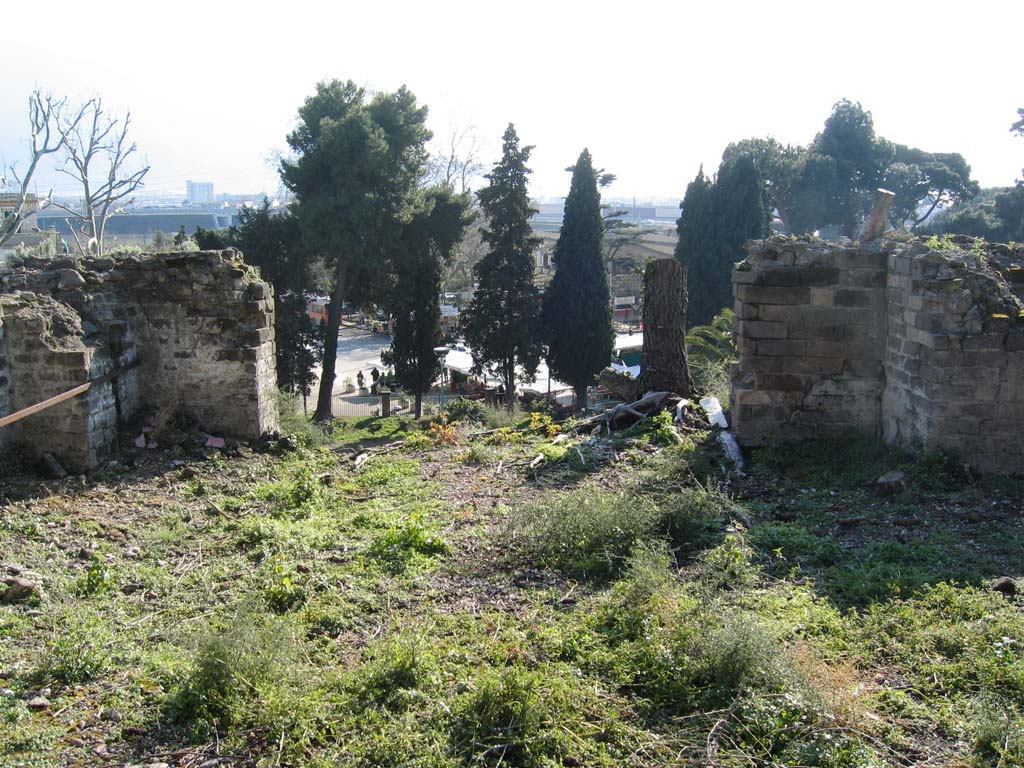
(653, 89)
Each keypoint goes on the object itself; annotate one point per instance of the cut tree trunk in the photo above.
(622, 385)
(663, 362)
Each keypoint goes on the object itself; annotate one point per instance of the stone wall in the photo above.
(922, 347)
(198, 326)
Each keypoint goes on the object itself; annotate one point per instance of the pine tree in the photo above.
(502, 323)
(577, 307)
(355, 173)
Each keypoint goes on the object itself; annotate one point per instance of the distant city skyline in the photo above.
(654, 91)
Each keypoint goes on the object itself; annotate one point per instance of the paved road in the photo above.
(358, 350)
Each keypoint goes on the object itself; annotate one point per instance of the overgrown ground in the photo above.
(625, 604)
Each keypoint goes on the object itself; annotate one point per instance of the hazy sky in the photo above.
(653, 89)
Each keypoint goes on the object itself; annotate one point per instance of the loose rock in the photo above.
(18, 590)
(39, 703)
(891, 483)
(1006, 585)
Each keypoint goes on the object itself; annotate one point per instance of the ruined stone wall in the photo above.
(199, 326)
(954, 359)
(6, 435)
(922, 347)
(810, 327)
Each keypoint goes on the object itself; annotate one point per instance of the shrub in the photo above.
(997, 731)
(729, 565)
(398, 546)
(296, 423)
(393, 670)
(282, 587)
(417, 441)
(585, 533)
(504, 720)
(476, 455)
(236, 672)
(96, 580)
(465, 410)
(690, 516)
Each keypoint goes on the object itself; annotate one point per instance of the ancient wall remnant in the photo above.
(920, 345)
(194, 331)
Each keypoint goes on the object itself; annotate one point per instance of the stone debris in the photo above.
(112, 715)
(18, 589)
(891, 483)
(1005, 585)
(54, 470)
(39, 703)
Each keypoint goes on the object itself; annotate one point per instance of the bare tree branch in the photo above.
(46, 114)
(457, 164)
(98, 151)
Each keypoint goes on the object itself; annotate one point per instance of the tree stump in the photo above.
(663, 361)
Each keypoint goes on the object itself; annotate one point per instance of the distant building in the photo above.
(9, 202)
(199, 192)
(28, 234)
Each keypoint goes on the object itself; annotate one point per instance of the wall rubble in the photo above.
(922, 347)
(199, 325)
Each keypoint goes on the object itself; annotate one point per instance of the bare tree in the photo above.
(98, 154)
(456, 164)
(46, 116)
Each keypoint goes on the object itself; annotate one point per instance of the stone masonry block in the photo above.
(822, 366)
(849, 297)
(822, 297)
(760, 329)
(782, 347)
(861, 260)
(763, 294)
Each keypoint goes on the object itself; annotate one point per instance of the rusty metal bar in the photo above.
(57, 399)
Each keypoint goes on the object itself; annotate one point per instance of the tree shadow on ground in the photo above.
(818, 513)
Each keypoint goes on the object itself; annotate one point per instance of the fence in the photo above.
(348, 405)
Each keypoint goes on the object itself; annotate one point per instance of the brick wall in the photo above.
(921, 347)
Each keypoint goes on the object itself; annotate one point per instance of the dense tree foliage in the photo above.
(502, 321)
(717, 218)
(357, 163)
(916, 176)
(428, 242)
(832, 181)
(577, 312)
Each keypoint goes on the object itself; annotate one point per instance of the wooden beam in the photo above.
(57, 399)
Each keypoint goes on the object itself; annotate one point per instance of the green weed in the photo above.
(586, 533)
(79, 648)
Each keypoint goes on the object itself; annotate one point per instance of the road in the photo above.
(358, 350)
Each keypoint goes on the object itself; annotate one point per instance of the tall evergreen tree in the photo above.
(502, 322)
(577, 307)
(355, 175)
(427, 245)
(717, 219)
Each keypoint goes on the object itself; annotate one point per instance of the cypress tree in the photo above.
(502, 323)
(577, 312)
(717, 219)
(428, 241)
